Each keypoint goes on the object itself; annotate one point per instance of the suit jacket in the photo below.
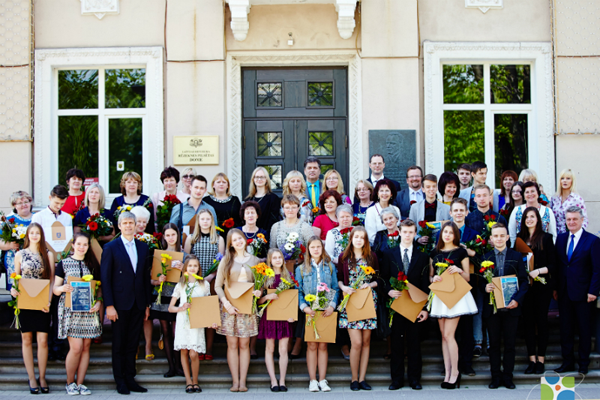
(417, 211)
(418, 271)
(513, 265)
(308, 196)
(396, 183)
(581, 275)
(402, 201)
(466, 194)
(121, 286)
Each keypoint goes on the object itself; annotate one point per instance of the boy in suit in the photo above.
(506, 262)
(430, 208)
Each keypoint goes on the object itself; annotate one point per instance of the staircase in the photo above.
(215, 374)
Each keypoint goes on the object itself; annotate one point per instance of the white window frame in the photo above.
(540, 122)
(48, 63)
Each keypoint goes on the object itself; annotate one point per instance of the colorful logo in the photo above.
(558, 388)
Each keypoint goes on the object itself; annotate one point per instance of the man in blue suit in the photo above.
(413, 193)
(126, 290)
(577, 287)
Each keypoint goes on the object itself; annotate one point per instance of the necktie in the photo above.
(500, 262)
(313, 196)
(571, 247)
(405, 261)
(132, 255)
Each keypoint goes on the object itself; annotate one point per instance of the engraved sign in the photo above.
(196, 150)
(398, 148)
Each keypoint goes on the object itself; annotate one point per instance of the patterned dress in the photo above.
(205, 251)
(560, 210)
(33, 320)
(334, 243)
(80, 325)
(366, 323)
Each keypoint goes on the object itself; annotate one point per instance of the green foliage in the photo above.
(510, 84)
(463, 138)
(125, 88)
(77, 145)
(510, 139)
(77, 89)
(463, 84)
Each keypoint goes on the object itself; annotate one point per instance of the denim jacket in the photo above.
(308, 282)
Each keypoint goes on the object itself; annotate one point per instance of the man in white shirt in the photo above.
(52, 213)
(377, 165)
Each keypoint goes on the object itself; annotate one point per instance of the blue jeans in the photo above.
(478, 333)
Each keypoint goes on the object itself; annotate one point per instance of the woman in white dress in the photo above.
(449, 255)
(531, 194)
(384, 195)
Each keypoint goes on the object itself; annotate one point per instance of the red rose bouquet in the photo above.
(164, 210)
(400, 283)
(97, 225)
(393, 239)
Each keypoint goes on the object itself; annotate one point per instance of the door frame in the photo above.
(235, 62)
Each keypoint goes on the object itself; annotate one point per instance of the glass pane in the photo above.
(77, 89)
(77, 145)
(463, 138)
(269, 144)
(463, 84)
(324, 169)
(125, 88)
(275, 176)
(320, 94)
(269, 95)
(124, 149)
(510, 140)
(510, 84)
(320, 143)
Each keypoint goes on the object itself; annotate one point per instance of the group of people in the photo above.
(426, 232)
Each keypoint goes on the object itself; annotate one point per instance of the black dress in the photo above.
(33, 320)
(225, 209)
(270, 204)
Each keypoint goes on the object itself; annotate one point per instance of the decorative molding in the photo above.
(46, 119)
(239, 18)
(234, 104)
(541, 135)
(99, 8)
(345, 23)
(485, 5)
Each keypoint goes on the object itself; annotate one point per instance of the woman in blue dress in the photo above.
(93, 202)
(131, 190)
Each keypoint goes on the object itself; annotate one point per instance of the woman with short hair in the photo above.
(384, 195)
(75, 178)
(187, 175)
(334, 241)
(131, 196)
(449, 186)
(226, 205)
(250, 213)
(170, 179)
(529, 175)
(329, 201)
(531, 194)
(362, 199)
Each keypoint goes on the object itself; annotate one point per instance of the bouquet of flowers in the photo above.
(490, 221)
(13, 303)
(12, 232)
(260, 272)
(488, 274)
(441, 267)
(504, 212)
(97, 225)
(538, 278)
(148, 204)
(362, 277)
(228, 223)
(479, 245)
(318, 302)
(356, 221)
(255, 245)
(283, 285)
(393, 239)
(345, 237)
(151, 240)
(121, 209)
(88, 278)
(400, 283)
(293, 248)
(189, 288)
(215, 265)
(163, 211)
(426, 230)
(165, 268)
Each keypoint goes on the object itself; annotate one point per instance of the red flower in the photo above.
(402, 276)
(11, 220)
(483, 242)
(158, 235)
(249, 241)
(394, 234)
(423, 224)
(345, 230)
(412, 202)
(92, 226)
(493, 217)
(487, 217)
(149, 205)
(449, 261)
(478, 240)
(302, 248)
(481, 270)
(171, 198)
(228, 223)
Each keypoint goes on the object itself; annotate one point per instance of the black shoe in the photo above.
(582, 371)
(477, 351)
(444, 385)
(354, 386)
(134, 387)
(123, 389)
(364, 385)
(508, 383)
(416, 385)
(33, 390)
(189, 389)
(539, 368)
(396, 386)
(530, 368)
(468, 371)
(495, 384)
(274, 388)
(282, 388)
(197, 388)
(456, 383)
(170, 373)
(565, 368)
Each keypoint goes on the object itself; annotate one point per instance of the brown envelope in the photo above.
(451, 289)
(522, 248)
(411, 303)
(34, 294)
(70, 279)
(326, 327)
(56, 253)
(498, 294)
(285, 307)
(174, 274)
(361, 306)
(96, 249)
(240, 296)
(205, 312)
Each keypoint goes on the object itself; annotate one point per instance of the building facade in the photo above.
(113, 85)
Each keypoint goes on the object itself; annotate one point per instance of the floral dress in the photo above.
(560, 210)
(366, 323)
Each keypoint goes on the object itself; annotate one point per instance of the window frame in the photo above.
(48, 63)
(540, 112)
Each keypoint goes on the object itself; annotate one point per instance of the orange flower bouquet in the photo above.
(260, 272)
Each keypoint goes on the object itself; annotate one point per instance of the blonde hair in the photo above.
(285, 274)
(130, 175)
(307, 267)
(286, 182)
(212, 184)
(102, 197)
(528, 174)
(186, 262)
(340, 186)
(367, 184)
(214, 236)
(189, 169)
(229, 256)
(252, 191)
(568, 173)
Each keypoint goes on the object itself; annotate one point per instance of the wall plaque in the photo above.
(398, 148)
(196, 150)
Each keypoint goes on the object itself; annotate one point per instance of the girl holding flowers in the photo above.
(276, 330)
(190, 342)
(317, 270)
(78, 327)
(238, 328)
(449, 255)
(35, 262)
(357, 271)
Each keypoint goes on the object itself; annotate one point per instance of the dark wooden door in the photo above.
(290, 114)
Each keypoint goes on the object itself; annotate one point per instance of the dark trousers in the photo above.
(404, 329)
(126, 337)
(502, 325)
(466, 342)
(571, 313)
(55, 345)
(535, 315)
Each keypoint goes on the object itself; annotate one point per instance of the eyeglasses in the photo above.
(333, 178)
(414, 176)
(187, 176)
(290, 208)
(363, 190)
(24, 203)
(259, 177)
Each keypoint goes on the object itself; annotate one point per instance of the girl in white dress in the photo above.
(190, 342)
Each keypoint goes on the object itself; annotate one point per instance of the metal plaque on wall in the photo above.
(399, 149)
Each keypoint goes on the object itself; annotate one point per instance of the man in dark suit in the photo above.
(506, 262)
(126, 290)
(413, 193)
(415, 264)
(577, 284)
(377, 165)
